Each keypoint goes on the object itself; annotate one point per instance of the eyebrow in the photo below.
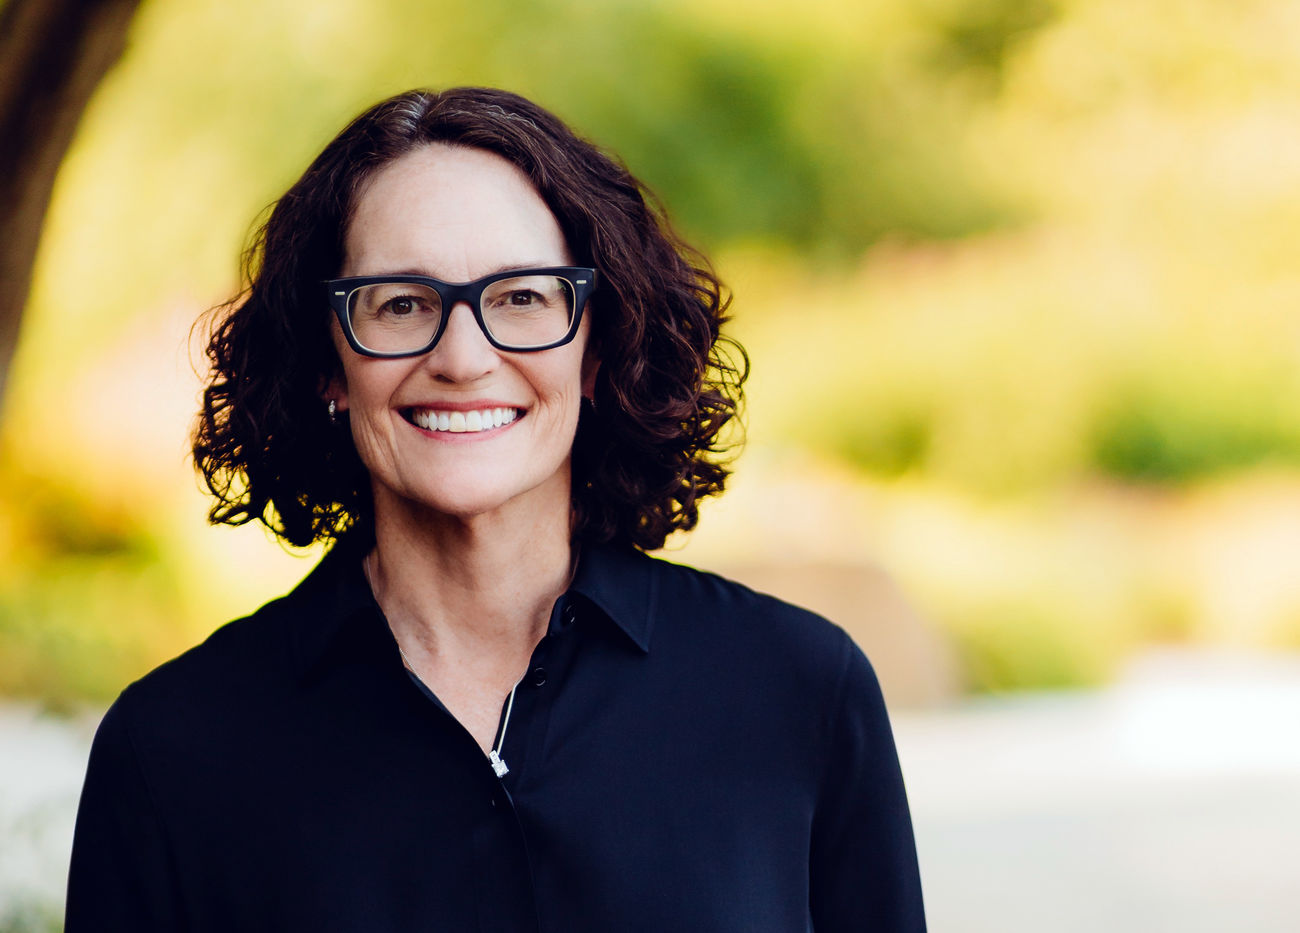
(508, 267)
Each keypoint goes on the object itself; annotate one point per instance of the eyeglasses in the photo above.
(522, 310)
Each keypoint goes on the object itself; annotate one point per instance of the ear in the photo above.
(336, 389)
(336, 386)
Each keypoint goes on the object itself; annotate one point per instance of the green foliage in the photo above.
(991, 371)
(978, 35)
(86, 599)
(801, 139)
(1186, 429)
(83, 628)
(1017, 645)
(810, 143)
(26, 915)
(888, 442)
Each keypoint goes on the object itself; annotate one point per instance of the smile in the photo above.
(461, 422)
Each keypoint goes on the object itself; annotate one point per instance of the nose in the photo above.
(462, 353)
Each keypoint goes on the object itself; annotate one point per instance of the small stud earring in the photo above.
(334, 412)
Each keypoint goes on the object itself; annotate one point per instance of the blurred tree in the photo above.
(53, 54)
(977, 36)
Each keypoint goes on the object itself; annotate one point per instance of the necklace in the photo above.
(499, 767)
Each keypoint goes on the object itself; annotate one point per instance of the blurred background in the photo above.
(1017, 279)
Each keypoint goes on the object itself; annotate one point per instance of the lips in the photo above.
(462, 422)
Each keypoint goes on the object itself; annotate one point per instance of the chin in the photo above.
(476, 494)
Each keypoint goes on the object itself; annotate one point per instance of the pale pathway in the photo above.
(1169, 802)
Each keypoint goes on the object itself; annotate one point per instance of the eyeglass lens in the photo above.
(518, 312)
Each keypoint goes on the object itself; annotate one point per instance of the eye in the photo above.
(525, 296)
(403, 304)
(522, 298)
(515, 299)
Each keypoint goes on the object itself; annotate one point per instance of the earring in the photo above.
(334, 412)
(590, 400)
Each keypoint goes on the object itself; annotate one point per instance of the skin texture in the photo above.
(472, 530)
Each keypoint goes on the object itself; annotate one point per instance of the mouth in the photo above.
(461, 422)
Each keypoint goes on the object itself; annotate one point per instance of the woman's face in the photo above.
(458, 214)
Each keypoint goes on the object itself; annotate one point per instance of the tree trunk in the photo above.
(53, 54)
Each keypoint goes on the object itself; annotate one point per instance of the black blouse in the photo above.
(683, 753)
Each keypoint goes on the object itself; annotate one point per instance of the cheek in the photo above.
(369, 387)
(568, 381)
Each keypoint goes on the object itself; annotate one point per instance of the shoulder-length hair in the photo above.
(645, 453)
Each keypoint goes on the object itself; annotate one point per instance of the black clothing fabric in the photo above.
(684, 754)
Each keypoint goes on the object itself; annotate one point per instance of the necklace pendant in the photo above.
(499, 767)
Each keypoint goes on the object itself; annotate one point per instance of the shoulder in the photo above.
(189, 717)
(237, 662)
(710, 599)
(747, 631)
(782, 676)
(261, 652)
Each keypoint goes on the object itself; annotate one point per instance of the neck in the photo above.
(474, 592)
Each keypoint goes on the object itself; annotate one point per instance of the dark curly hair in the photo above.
(645, 453)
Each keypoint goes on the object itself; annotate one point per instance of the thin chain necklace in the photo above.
(499, 767)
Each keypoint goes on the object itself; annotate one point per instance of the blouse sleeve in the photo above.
(863, 869)
(121, 877)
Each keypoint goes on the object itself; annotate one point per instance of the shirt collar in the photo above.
(335, 598)
(621, 584)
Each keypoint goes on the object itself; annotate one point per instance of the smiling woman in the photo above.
(460, 214)
(487, 708)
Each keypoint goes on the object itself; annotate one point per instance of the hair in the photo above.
(646, 452)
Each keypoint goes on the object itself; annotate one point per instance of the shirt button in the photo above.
(539, 676)
(570, 615)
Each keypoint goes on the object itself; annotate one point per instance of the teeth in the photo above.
(463, 422)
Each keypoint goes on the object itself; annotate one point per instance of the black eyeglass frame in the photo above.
(581, 279)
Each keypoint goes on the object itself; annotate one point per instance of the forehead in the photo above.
(451, 212)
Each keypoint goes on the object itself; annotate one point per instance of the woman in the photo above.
(472, 357)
